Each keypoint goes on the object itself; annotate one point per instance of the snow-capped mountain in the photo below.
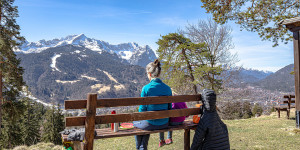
(70, 72)
(131, 52)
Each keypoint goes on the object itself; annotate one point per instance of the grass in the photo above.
(265, 132)
(39, 146)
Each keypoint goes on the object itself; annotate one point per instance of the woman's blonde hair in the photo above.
(154, 68)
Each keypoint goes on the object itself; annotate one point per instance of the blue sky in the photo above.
(141, 21)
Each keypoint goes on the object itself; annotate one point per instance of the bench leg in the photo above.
(186, 139)
(278, 110)
(288, 113)
(78, 145)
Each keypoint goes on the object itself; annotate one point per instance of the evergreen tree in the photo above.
(52, 125)
(246, 110)
(184, 63)
(31, 123)
(11, 80)
(11, 133)
(257, 109)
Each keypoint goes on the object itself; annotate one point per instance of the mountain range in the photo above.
(71, 67)
(130, 52)
(70, 72)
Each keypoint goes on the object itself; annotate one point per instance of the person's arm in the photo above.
(170, 104)
(143, 107)
(199, 136)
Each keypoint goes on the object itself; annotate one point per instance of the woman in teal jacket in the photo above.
(155, 88)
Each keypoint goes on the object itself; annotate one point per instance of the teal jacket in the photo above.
(156, 88)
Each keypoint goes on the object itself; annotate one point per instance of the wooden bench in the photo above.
(90, 120)
(290, 99)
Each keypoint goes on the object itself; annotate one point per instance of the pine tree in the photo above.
(11, 80)
(11, 134)
(31, 123)
(257, 109)
(184, 63)
(52, 125)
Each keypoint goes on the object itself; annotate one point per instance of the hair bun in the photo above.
(156, 62)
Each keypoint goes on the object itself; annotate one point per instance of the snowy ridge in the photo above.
(131, 51)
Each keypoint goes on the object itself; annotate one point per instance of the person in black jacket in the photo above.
(211, 132)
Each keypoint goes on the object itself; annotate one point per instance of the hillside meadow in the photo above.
(265, 132)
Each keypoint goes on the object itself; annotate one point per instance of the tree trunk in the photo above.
(0, 80)
(191, 73)
(0, 101)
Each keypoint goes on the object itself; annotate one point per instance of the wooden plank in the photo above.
(290, 21)
(186, 139)
(113, 118)
(90, 121)
(75, 104)
(117, 102)
(286, 101)
(108, 133)
(297, 69)
(289, 96)
(78, 145)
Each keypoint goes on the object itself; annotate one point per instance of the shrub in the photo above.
(235, 110)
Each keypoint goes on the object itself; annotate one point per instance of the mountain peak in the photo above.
(77, 39)
(131, 51)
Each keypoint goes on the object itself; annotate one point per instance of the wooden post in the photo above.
(1, 101)
(293, 25)
(186, 139)
(90, 121)
(78, 145)
(297, 73)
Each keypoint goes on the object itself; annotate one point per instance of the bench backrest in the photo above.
(92, 103)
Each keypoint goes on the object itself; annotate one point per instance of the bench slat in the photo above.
(114, 118)
(286, 101)
(117, 102)
(108, 133)
(289, 96)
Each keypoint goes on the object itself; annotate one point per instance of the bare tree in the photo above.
(218, 42)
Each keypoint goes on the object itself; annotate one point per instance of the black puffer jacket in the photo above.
(211, 133)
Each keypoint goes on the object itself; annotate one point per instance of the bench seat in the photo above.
(108, 133)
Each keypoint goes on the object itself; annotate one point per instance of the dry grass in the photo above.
(266, 132)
